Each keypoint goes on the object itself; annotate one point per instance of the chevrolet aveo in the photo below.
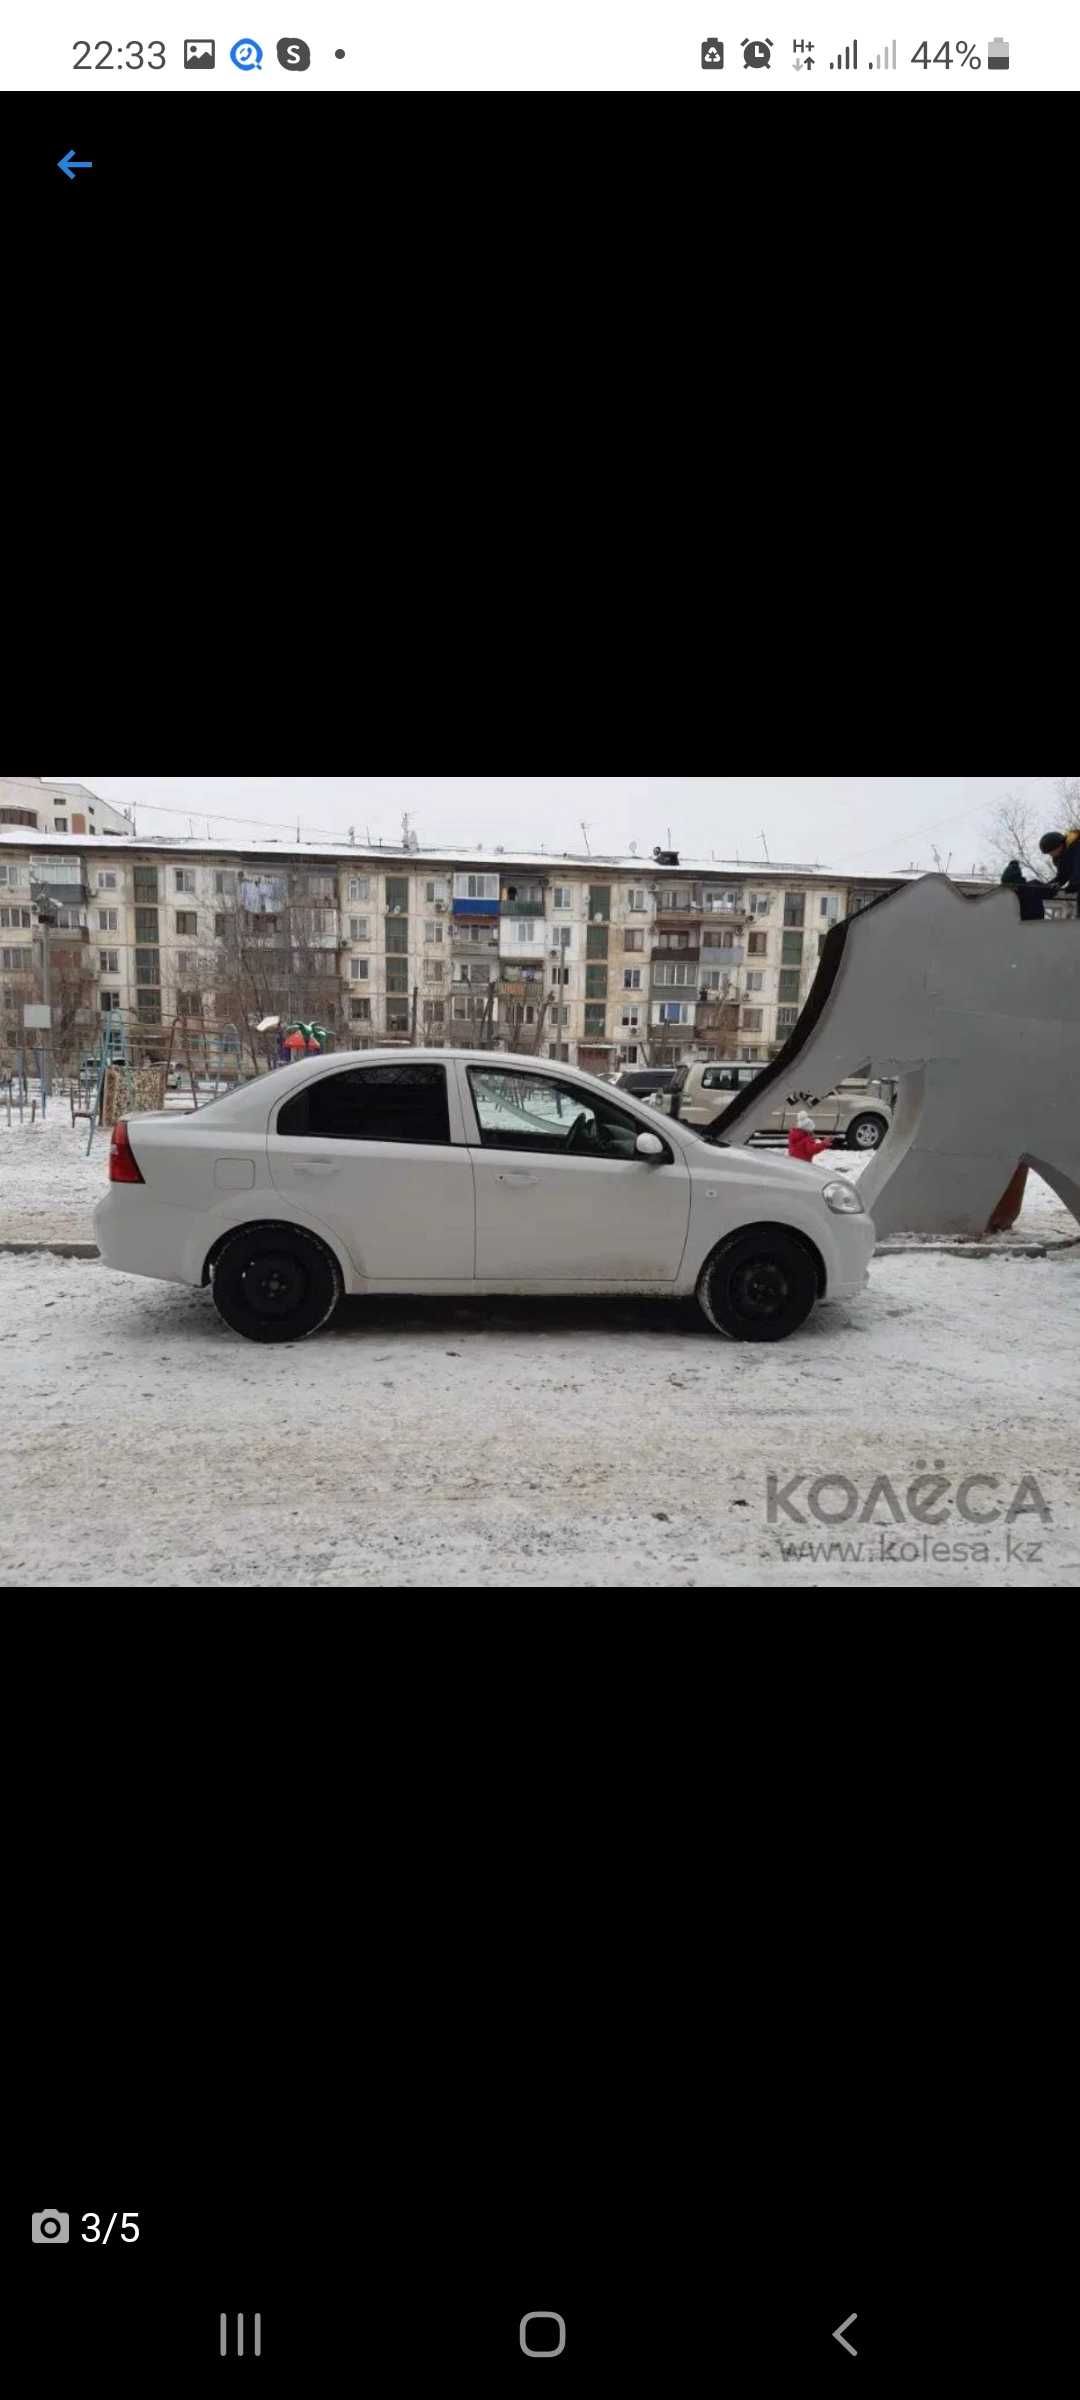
(463, 1172)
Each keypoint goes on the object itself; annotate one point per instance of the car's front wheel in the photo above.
(866, 1132)
(274, 1283)
(758, 1286)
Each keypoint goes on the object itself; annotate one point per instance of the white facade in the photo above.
(44, 807)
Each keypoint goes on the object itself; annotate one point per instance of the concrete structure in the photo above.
(604, 962)
(977, 1015)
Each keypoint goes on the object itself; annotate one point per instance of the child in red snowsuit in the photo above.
(802, 1142)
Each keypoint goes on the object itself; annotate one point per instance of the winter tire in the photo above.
(758, 1286)
(273, 1283)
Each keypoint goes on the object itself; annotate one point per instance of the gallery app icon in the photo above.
(294, 55)
(199, 54)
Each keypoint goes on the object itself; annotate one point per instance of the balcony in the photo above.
(522, 908)
(670, 919)
(732, 957)
(691, 954)
(467, 934)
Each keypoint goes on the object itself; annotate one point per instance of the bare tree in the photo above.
(1012, 831)
(1067, 788)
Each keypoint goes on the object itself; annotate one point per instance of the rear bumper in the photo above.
(140, 1236)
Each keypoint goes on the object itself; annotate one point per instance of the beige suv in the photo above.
(858, 1114)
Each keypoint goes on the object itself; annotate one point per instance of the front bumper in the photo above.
(847, 1269)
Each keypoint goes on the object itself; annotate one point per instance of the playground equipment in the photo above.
(976, 1012)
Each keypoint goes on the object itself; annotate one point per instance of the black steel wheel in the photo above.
(275, 1283)
(758, 1286)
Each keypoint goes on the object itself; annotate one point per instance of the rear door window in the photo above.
(404, 1103)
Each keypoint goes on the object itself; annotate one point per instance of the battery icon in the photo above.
(997, 53)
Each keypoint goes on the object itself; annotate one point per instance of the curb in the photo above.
(51, 1249)
(1047, 1249)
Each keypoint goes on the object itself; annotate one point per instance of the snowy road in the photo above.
(536, 1443)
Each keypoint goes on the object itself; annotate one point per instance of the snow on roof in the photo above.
(341, 853)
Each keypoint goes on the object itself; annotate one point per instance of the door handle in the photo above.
(519, 1176)
(318, 1166)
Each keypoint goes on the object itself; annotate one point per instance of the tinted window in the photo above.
(720, 1079)
(371, 1104)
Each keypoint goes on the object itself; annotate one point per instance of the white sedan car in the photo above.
(467, 1172)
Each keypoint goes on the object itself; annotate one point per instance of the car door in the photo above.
(369, 1152)
(561, 1194)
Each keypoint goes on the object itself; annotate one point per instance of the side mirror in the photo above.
(649, 1145)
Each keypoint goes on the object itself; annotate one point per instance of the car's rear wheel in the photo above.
(866, 1133)
(274, 1283)
(758, 1286)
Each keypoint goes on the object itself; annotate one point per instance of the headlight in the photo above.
(843, 1197)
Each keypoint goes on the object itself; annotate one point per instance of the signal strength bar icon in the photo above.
(883, 59)
(848, 57)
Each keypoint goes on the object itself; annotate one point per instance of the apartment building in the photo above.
(44, 807)
(601, 962)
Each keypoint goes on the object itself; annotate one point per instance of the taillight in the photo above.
(123, 1164)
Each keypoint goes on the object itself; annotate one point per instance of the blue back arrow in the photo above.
(68, 165)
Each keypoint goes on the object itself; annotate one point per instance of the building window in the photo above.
(434, 930)
(752, 1019)
(225, 879)
(221, 927)
(788, 986)
(529, 929)
(718, 897)
(636, 901)
(755, 983)
(562, 896)
(184, 879)
(148, 966)
(17, 919)
(829, 907)
(397, 1016)
(596, 941)
(358, 929)
(149, 1008)
(673, 1012)
(397, 895)
(476, 887)
(187, 923)
(107, 1001)
(630, 1018)
(434, 1012)
(791, 950)
(15, 962)
(596, 983)
(675, 941)
(106, 881)
(759, 903)
(560, 975)
(397, 934)
(108, 962)
(108, 920)
(794, 908)
(437, 889)
(146, 924)
(188, 1004)
(631, 981)
(360, 1012)
(433, 970)
(60, 824)
(757, 945)
(786, 1018)
(359, 887)
(397, 978)
(358, 970)
(559, 1050)
(634, 938)
(594, 1021)
(673, 971)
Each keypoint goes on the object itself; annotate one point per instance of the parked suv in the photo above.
(857, 1114)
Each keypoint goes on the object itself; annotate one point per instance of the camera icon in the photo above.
(51, 2225)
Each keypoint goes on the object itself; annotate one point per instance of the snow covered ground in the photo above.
(530, 1443)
